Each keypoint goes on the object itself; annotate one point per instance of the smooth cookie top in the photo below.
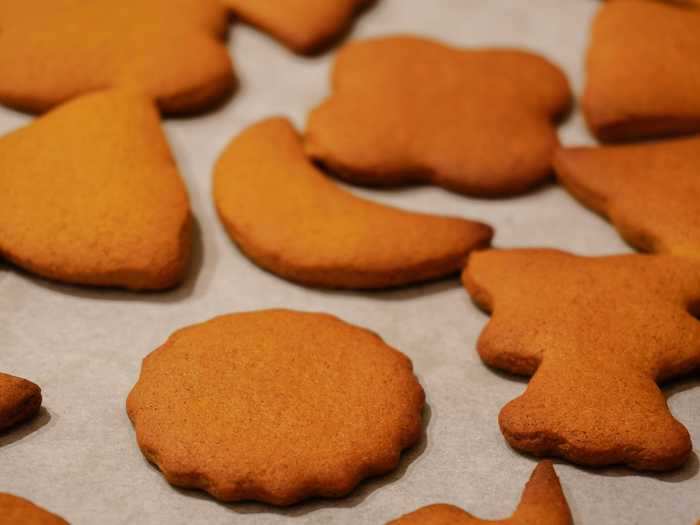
(19, 511)
(275, 406)
(170, 50)
(406, 109)
(19, 400)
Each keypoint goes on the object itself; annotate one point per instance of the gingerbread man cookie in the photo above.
(650, 192)
(304, 26)
(90, 194)
(405, 110)
(597, 334)
(20, 400)
(639, 86)
(171, 50)
(275, 406)
(19, 511)
(542, 503)
(292, 220)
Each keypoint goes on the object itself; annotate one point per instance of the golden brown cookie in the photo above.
(650, 192)
(597, 334)
(542, 503)
(19, 511)
(293, 221)
(19, 400)
(304, 26)
(171, 50)
(90, 194)
(275, 406)
(641, 86)
(405, 109)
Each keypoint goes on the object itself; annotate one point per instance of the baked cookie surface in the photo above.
(170, 50)
(292, 220)
(19, 511)
(90, 194)
(650, 192)
(640, 86)
(597, 334)
(275, 406)
(20, 400)
(405, 110)
(542, 503)
(304, 26)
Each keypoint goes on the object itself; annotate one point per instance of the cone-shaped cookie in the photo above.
(292, 220)
(542, 503)
(19, 400)
(171, 50)
(650, 191)
(302, 25)
(19, 511)
(90, 194)
(275, 406)
(405, 109)
(597, 334)
(639, 86)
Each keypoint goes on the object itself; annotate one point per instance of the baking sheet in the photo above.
(84, 346)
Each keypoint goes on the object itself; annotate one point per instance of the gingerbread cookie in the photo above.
(19, 400)
(90, 194)
(597, 334)
(304, 26)
(657, 91)
(171, 50)
(407, 110)
(542, 503)
(650, 192)
(293, 221)
(275, 406)
(19, 511)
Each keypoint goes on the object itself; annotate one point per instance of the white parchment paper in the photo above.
(84, 346)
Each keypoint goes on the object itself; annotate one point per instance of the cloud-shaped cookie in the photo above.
(597, 334)
(91, 195)
(171, 50)
(405, 110)
(293, 221)
(275, 406)
(639, 86)
(542, 503)
(16, 510)
(19, 400)
(649, 191)
(302, 25)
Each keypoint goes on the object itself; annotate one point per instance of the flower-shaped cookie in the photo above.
(171, 50)
(643, 70)
(405, 110)
(302, 25)
(649, 191)
(275, 406)
(597, 334)
(542, 503)
(90, 194)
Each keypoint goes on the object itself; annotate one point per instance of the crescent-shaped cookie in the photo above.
(275, 406)
(304, 26)
(20, 400)
(293, 221)
(405, 110)
(542, 503)
(90, 194)
(170, 50)
(650, 191)
(598, 334)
